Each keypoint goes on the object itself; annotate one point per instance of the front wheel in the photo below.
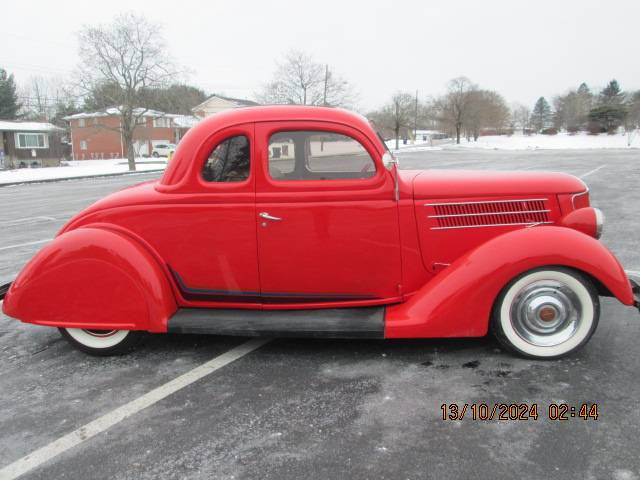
(546, 313)
(101, 343)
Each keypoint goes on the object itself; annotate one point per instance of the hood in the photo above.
(481, 183)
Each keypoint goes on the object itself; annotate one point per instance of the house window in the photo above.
(81, 122)
(83, 144)
(32, 140)
(162, 122)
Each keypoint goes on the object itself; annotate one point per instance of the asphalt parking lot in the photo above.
(323, 409)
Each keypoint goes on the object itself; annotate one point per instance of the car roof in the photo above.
(272, 113)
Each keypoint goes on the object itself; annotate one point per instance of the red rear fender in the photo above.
(92, 278)
(458, 301)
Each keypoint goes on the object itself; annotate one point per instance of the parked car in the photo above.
(328, 238)
(163, 149)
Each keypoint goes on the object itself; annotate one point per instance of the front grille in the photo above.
(489, 213)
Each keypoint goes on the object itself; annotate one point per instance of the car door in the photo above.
(327, 217)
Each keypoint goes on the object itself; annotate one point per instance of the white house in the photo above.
(218, 103)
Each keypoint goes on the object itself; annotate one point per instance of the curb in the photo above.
(64, 179)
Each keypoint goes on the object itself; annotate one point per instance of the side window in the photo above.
(282, 155)
(315, 155)
(229, 161)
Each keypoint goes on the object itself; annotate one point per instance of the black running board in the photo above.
(4, 289)
(360, 322)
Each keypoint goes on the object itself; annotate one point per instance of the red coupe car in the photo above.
(296, 221)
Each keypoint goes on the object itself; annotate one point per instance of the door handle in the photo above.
(266, 216)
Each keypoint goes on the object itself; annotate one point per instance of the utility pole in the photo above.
(326, 81)
(324, 97)
(415, 121)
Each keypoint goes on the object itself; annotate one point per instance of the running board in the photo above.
(359, 322)
(4, 289)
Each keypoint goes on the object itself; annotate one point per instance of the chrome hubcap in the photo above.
(546, 313)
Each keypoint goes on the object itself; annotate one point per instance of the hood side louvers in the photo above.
(488, 213)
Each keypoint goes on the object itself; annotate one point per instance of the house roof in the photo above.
(17, 126)
(184, 121)
(240, 102)
(114, 111)
(180, 121)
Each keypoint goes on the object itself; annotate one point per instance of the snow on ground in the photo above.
(526, 142)
(551, 142)
(79, 168)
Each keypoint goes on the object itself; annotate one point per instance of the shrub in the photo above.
(550, 131)
(594, 128)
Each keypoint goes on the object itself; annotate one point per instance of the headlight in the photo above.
(587, 220)
(599, 222)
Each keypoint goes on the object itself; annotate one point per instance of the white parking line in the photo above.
(590, 172)
(26, 221)
(91, 429)
(26, 244)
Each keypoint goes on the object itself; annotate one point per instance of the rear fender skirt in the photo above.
(459, 300)
(92, 278)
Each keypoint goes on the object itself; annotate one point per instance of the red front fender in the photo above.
(92, 278)
(458, 301)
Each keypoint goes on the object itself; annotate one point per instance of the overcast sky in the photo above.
(522, 49)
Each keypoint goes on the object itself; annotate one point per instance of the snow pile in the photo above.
(551, 142)
(79, 168)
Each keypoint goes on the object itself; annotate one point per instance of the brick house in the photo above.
(30, 144)
(96, 135)
(218, 103)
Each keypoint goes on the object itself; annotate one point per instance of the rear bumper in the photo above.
(634, 279)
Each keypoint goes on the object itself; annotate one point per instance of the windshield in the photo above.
(375, 129)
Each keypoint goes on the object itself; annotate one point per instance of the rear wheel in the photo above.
(155, 154)
(546, 313)
(101, 343)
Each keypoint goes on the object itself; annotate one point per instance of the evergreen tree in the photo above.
(541, 115)
(612, 94)
(9, 105)
(583, 89)
(611, 111)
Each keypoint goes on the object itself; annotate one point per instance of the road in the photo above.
(317, 408)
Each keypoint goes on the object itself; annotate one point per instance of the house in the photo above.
(218, 103)
(428, 135)
(30, 144)
(97, 135)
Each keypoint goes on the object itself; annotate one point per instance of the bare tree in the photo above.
(41, 97)
(396, 116)
(632, 121)
(454, 107)
(486, 109)
(129, 56)
(521, 116)
(300, 80)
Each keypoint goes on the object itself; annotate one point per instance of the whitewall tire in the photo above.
(546, 313)
(101, 342)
